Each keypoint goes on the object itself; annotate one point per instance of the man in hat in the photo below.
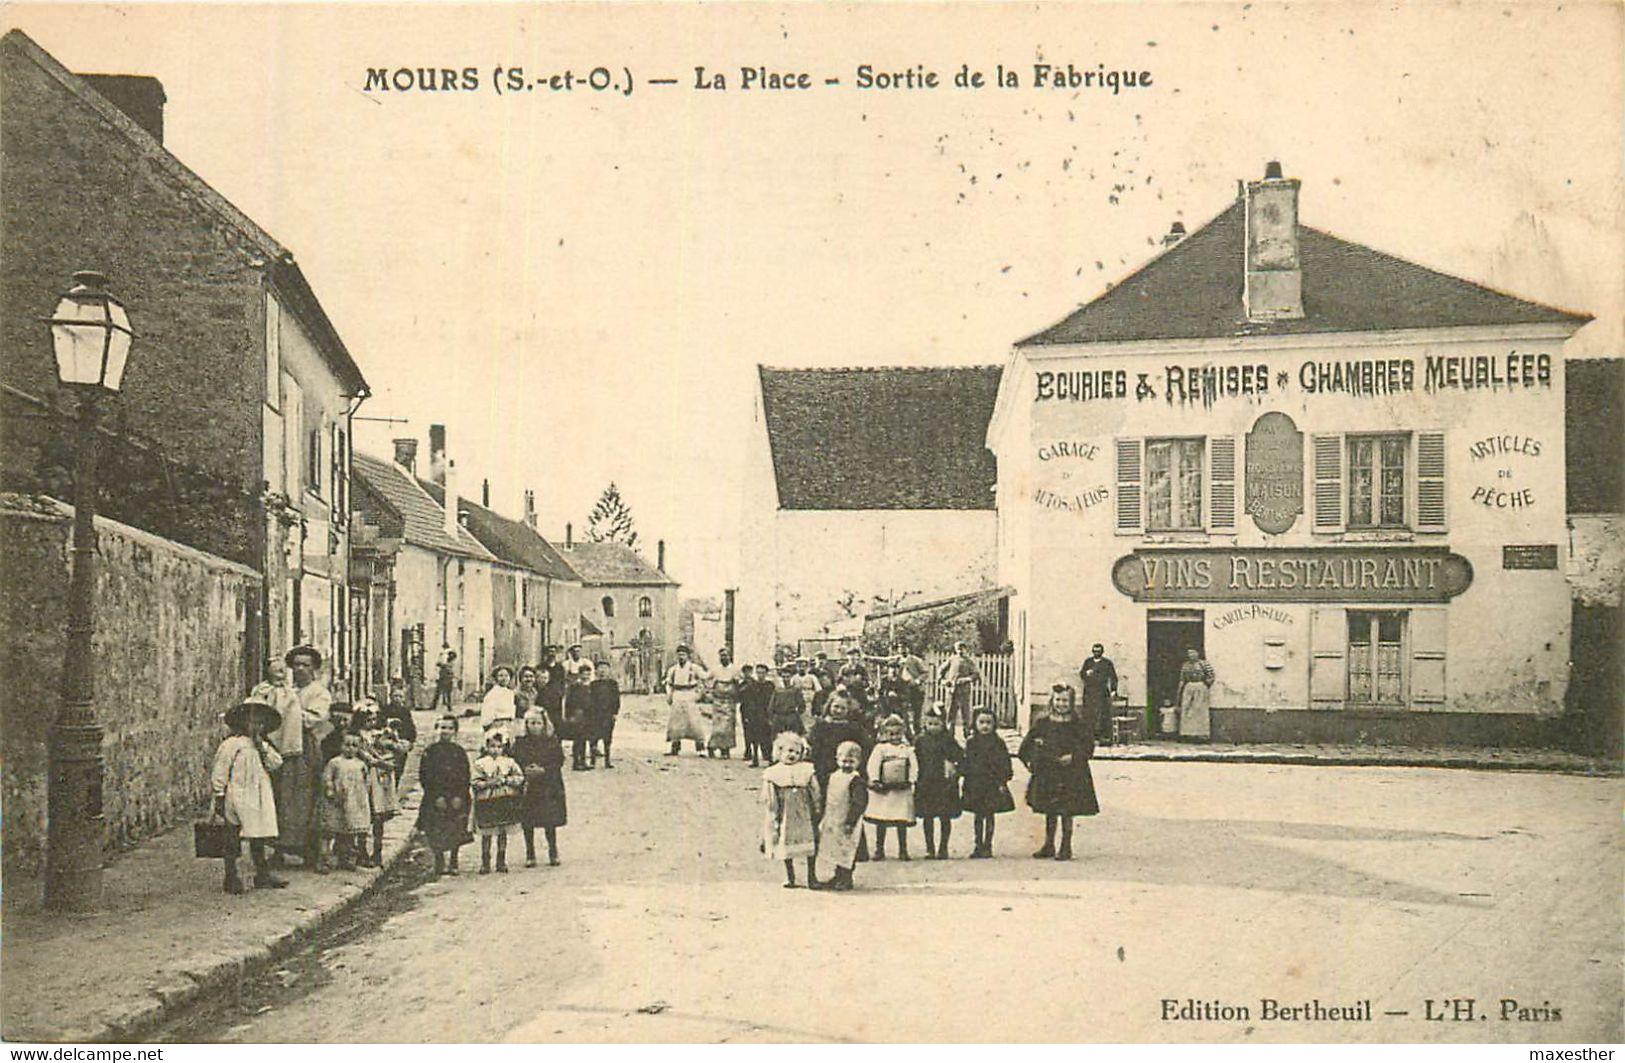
(305, 723)
(241, 783)
(575, 664)
(445, 671)
(958, 677)
(683, 696)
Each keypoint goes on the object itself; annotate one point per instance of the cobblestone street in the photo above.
(1209, 883)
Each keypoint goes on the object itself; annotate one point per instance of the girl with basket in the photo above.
(243, 795)
(498, 784)
(893, 770)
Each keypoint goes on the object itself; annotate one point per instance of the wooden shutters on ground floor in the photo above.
(1377, 658)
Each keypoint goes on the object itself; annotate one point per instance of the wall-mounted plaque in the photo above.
(1536, 556)
(1274, 494)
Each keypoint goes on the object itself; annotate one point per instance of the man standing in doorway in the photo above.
(1099, 678)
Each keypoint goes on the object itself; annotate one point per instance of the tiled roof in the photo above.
(283, 269)
(512, 541)
(422, 520)
(611, 563)
(894, 438)
(1194, 291)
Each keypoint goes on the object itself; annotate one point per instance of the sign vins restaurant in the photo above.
(1355, 514)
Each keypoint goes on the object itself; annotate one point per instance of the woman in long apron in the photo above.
(1195, 693)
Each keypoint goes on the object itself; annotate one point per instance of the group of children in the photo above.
(580, 700)
(821, 789)
(361, 758)
(510, 783)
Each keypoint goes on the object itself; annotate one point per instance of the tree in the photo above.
(611, 520)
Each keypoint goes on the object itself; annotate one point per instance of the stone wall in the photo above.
(170, 629)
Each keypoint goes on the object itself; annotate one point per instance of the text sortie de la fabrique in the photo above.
(589, 78)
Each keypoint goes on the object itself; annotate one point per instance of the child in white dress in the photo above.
(790, 802)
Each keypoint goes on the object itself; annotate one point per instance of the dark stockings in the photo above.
(984, 834)
(902, 841)
(552, 834)
(934, 851)
(502, 852)
(790, 874)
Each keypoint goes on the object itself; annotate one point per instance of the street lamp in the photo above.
(91, 336)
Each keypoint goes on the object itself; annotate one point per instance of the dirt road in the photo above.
(1203, 890)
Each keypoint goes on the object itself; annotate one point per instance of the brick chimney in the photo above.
(406, 455)
(660, 555)
(530, 509)
(437, 453)
(1273, 288)
(140, 98)
(448, 478)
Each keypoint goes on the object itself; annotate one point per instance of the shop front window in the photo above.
(1377, 480)
(1376, 659)
(1173, 487)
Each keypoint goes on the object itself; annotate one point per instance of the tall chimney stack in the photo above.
(660, 555)
(448, 477)
(1273, 288)
(406, 455)
(530, 509)
(437, 453)
(485, 493)
(569, 536)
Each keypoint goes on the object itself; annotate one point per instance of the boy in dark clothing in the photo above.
(604, 705)
(552, 692)
(785, 710)
(578, 718)
(755, 696)
(892, 698)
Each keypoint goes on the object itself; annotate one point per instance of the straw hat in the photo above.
(258, 702)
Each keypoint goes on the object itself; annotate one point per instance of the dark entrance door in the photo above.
(1168, 634)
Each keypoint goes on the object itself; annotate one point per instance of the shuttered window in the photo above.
(1222, 483)
(1377, 480)
(1129, 517)
(1328, 470)
(1430, 489)
(1173, 484)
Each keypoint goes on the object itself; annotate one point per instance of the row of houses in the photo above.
(1336, 474)
(236, 518)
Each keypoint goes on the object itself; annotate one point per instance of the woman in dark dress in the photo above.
(443, 816)
(541, 757)
(1057, 751)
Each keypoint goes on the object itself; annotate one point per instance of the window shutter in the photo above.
(1329, 484)
(1221, 507)
(1427, 636)
(1328, 667)
(1430, 490)
(1130, 517)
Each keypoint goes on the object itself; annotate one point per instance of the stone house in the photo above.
(630, 608)
(231, 433)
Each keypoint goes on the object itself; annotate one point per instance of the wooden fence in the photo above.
(999, 689)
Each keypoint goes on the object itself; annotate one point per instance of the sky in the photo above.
(580, 285)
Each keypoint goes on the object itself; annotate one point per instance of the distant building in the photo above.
(865, 489)
(629, 613)
(1334, 473)
(536, 598)
(231, 434)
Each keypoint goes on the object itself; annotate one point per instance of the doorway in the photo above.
(1168, 634)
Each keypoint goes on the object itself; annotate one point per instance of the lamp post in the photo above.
(91, 336)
